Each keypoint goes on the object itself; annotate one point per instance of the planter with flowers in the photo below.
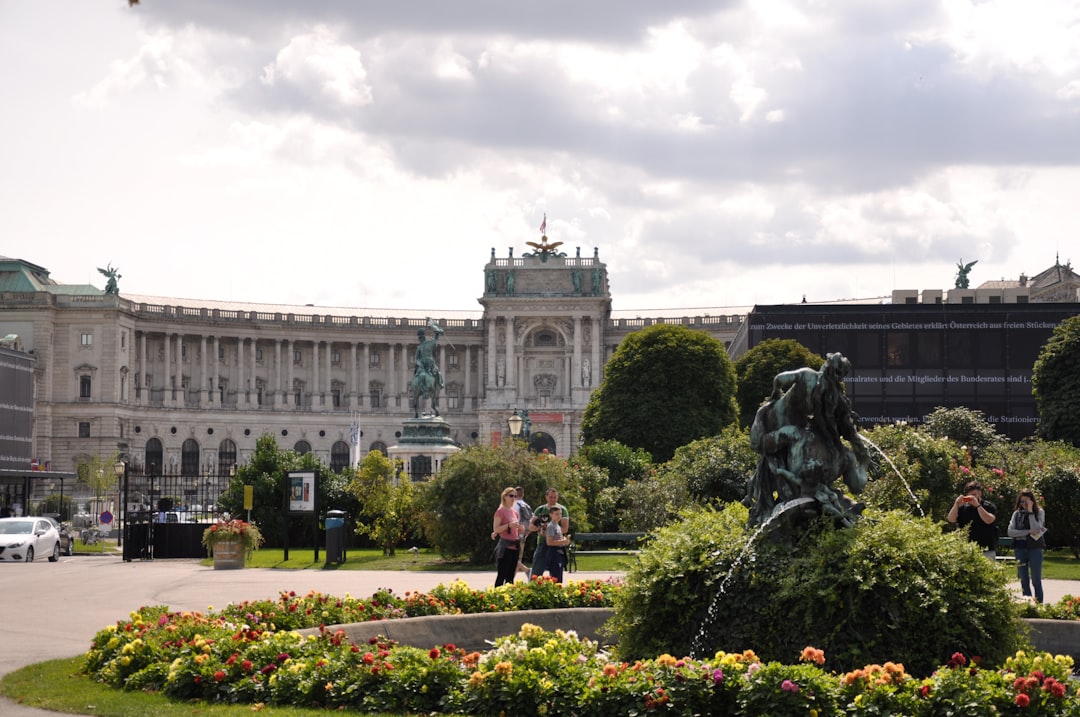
(231, 542)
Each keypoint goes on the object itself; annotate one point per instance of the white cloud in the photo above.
(319, 59)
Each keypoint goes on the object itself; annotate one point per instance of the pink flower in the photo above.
(789, 686)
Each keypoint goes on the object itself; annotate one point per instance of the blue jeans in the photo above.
(1029, 562)
(539, 564)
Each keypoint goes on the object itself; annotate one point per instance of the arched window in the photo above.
(380, 447)
(155, 457)
(302, 447)
(189, 458)
(226, 456)
(339, 456)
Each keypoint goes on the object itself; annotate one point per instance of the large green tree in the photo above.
(664, 387)
(1055, 381)
(387, 510)
(756, 369)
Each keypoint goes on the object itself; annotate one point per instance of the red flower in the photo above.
(219, 675)
(1022, 700)
(434, 653)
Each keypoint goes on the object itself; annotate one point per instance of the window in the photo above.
(84, 429)
(87, 339)
(375, 358)
(335, 395)
(544, 338)
(375, 391)
(183, 352)
(339, 456)
(155, 453)
(995, 299)
(258, 355)
(123, 339)
(379, 446)
(297, 358)
(298, 392)
(226, 456)
(335, 358)
(221, 352)
(260, 385)
(1022, 299)
(452, 359)
(302, 447)
(84, 387)
(189, 458)
(420, 467)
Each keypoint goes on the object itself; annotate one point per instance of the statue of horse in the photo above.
(424, 385)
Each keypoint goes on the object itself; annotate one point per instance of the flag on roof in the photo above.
(543, 224)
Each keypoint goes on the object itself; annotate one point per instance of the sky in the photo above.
(370, 154)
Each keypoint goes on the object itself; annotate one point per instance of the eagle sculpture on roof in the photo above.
(544, 249)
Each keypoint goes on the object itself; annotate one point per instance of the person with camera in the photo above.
(1027, 528)
(970, 510)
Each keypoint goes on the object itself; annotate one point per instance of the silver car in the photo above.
(23, 539)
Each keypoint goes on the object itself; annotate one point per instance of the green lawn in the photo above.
(426, 559)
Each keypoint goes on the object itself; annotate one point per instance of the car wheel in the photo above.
(29, 555)
(55, 552)
(70, 548)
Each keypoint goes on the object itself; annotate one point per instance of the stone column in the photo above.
(204, 397)
(181, 394)
(167, 393)
(291, 364)
(215, 395)
(481, 362)
(328, 379)
(597, 328)
(144, 384)
(353, 403)
(492, 350)
(241, 387)
(255, 371)
(316, 393)
(366, 373)
(575, 367)
(511, 358)
(467, 392)
(277, 396)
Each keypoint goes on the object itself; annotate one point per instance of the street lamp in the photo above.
(120, 468)
(515, 422)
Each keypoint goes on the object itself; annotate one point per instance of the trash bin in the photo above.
(335, 536)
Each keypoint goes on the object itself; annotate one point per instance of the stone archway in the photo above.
(539, 441)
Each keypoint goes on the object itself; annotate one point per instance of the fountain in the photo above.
(800, 562)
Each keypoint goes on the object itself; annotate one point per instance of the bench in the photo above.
(1004, 544)
(619, 539)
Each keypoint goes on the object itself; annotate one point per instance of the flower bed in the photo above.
(251, 653)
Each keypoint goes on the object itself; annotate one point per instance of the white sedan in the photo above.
(23, 539)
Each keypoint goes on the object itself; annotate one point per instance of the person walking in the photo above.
(541, 518)
(525, 514)
(506, 529)
(1027, 528)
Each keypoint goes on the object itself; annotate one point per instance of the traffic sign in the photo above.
(105, 517)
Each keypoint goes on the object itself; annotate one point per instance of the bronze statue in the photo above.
(962, 271)
(800, 432)
(113, 285)
(427, 380)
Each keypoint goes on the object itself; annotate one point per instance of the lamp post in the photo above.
(120, 468)
(515, 423)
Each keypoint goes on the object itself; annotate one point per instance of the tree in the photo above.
(97, 472)
(457, 505)
(387, 507)
(756, 369)
(621, 462)
(664, 387)
(1055, 381)
(715, 469)
(266, 473)
(965, 426)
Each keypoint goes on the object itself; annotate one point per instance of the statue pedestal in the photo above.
(425, 443)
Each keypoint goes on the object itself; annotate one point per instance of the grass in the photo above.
(59, 686)
(425, 560)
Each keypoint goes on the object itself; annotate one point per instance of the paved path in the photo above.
(53, 610)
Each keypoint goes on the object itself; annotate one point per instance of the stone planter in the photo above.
(229, 555)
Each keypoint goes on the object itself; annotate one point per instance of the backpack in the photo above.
(524, 513)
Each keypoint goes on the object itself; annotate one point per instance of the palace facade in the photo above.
(186, 387)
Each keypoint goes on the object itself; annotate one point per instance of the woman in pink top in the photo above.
(506, 528)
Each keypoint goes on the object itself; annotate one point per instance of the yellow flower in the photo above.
(113, 642)
(201, 658)
(666, 660)
(125, 661)
(476, 679)
(328, 686)
(504, 668)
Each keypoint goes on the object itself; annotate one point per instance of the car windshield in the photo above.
(17, 527)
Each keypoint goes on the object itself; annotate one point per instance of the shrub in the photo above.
(966, 426)
(927, 466)
(715, 469)
(891, 588)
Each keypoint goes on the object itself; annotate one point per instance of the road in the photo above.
(64, 604)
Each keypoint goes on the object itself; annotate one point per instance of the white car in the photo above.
(23, 539)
